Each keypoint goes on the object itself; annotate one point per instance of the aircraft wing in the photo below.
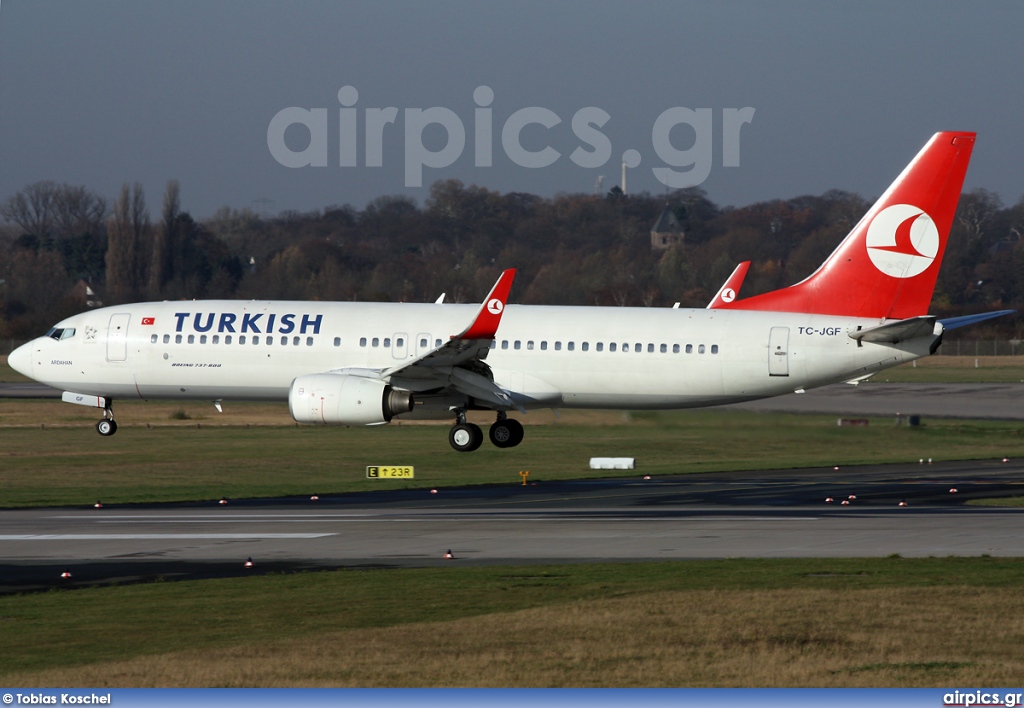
(459, 361)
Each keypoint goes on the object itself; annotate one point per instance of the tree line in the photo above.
(571, 249)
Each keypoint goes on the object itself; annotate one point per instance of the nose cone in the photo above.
(21, 360)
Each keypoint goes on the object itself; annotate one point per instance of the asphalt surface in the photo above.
(1003, 401)
(770, 514)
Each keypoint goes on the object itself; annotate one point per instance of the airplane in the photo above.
(347, 363)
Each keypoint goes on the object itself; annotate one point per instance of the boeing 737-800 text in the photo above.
(863, 310)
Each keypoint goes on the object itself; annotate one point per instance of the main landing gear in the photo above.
(466, 437)
(107, 426)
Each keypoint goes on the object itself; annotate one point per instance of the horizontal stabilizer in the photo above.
(954, 322)
(898, 331)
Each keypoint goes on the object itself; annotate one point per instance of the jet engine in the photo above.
(346, 400)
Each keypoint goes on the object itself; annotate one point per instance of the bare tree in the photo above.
(975, 209)
(77, 211)
(164, 239)
(32, 209)
(127, 241)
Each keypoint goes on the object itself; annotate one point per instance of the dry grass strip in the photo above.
(882, 637)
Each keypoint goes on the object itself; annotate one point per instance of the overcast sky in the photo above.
(844, 93)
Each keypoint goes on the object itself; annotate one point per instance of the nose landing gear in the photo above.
(107, 426)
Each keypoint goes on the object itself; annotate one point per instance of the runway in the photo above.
(1002, 401)
(771, 514)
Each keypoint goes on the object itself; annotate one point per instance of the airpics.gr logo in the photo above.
(902, 241)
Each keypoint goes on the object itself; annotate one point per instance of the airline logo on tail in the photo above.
(902, 241)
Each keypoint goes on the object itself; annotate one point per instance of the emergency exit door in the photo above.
(778, 352)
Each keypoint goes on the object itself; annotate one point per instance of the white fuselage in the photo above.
(573, 357)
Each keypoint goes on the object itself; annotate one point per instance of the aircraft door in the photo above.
(117, 337)
(423, 343)
(400, 345)
(778, 352)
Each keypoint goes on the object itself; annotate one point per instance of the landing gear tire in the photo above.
(506, 433)
(465, 437)
(106, 427)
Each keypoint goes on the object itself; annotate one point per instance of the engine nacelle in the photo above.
(346, 400)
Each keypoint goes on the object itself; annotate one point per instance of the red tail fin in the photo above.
(887, 265)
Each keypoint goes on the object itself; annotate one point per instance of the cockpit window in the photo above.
(61, 333)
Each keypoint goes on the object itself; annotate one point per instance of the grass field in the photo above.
(173, 451)
(882, 622)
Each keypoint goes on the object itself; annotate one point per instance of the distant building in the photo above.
(83, 292)
(667, 231)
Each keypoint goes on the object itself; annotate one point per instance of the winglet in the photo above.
(487, 319)
(731, 287)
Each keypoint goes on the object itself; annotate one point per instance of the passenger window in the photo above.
(337, 341)
(638, 347)
(191, 339)
(295, 341)
(650, 348)
(177, 339)
(611, 347)
(504, 344)
(518, 345)
(585, 346)
(493, 344)
(558, 346)
(423, 343)
(664, 348)
(241, 339)
(167, 339)
(437, 343)
(543, 346)
(529, 344)
(152, 340)
(375, 342)
(714, 348)
(572, 346)
(400, 342)
(700, 349)
(600, 346)
(202, 339)
(387, 342)
(270, 340)
(625, 347)
(216, 339)
(675, 348)
(362, 341)
(227, 339)
(689, 349)
(309, 341)
(255, 339)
